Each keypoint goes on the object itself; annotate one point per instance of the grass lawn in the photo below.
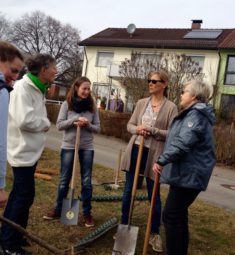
(212, 229)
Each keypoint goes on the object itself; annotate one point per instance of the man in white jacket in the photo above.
(27, 124)
(11, 62)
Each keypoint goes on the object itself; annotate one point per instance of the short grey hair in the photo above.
(201, 90)
(36, 62)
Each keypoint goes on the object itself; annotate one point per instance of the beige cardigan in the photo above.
(158, 135)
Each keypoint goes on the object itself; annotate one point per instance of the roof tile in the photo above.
(155, 38)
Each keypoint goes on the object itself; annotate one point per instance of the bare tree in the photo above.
(180, 68)
(39, 33)
(4, 27)
(134, 73)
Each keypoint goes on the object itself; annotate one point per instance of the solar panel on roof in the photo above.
(203, 34)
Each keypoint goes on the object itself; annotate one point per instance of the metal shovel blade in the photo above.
(126, 238)
(70, 210)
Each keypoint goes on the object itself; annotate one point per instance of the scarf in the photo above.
(81, 104)
(37, 82)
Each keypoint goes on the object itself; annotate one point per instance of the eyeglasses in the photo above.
(155, 81)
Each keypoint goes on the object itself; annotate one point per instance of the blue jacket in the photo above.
(4, 100)
(188, 155)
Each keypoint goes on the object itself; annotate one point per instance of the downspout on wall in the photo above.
(85, 54)
(216, 95)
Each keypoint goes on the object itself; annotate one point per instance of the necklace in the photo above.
(158, 105)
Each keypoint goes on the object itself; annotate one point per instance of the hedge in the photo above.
(114, 124)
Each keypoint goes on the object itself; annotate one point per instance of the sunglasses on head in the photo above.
(155, 81)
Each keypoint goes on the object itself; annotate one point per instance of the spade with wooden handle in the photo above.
(70, 206)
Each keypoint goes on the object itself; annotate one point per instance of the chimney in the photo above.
(196, 23)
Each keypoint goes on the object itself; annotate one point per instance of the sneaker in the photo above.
(52, 215)
(156, 242)
(18, 251)
(89, 222)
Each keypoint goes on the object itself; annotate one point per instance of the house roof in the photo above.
(154, 38)
(229, 41)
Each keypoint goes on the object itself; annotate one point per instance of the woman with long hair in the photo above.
(78, 110)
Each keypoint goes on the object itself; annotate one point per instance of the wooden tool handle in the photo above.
(118, 167)
(35, 239)
(137, 170)
(45, 177)
(153, 204)
(75, 159)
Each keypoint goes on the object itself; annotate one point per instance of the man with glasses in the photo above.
(11, 62)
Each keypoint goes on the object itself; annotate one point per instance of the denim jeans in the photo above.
(19, 202)
(175, 219)
(126, 199)
(86, 164)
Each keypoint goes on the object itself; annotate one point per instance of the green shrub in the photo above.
(115, 124)
(112, 123)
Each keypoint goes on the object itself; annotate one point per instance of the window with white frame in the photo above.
(104, 59)
(198, 59)
(143, 63)
(230, 71)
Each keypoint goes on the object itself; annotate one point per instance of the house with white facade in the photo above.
(225, 100)
(104, 51)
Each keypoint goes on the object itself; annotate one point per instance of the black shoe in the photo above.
(18, 251)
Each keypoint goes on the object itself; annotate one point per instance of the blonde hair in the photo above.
(163, 76)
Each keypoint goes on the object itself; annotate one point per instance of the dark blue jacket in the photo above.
(188, 155)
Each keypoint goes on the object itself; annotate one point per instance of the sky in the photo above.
(93, 16)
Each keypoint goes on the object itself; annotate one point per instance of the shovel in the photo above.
(115, 185)
(150, 217)
(70, 206)
(126, 236)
